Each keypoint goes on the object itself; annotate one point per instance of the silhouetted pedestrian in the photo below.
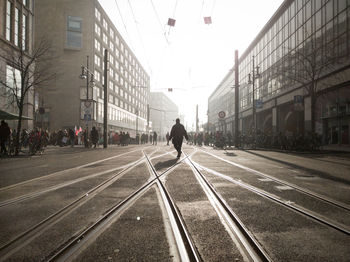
(94, 136)
(155, 138)
(177, 133)
(4, 136)
(167, 138)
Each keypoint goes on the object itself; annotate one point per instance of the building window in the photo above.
(97, 61)
(13, 81)
(105, 39)
(111, 59)
(8, 20)
(97, 76)
(16, 26)
(105, 25)
(111, 33)
(74, 29)
(97, 45)
(24, 32)
(97, 14)
(97, 30)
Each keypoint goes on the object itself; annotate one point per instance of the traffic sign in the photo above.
(87, 117)
(222, 114)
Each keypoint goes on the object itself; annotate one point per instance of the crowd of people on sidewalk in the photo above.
(292, 142)
(36, 140)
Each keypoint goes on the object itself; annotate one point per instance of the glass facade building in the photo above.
(305, 43)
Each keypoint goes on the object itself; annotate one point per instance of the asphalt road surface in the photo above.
(141, 203)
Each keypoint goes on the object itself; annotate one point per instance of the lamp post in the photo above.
(251, 80)
(85, 74)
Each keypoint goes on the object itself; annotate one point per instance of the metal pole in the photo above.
(105, 100)
(236, 100)
(87, 78)
(86, 139)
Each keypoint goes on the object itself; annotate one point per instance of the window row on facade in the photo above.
(128, 82)
(324, 22)
(305, 26)
(16, 22)
(115, 114)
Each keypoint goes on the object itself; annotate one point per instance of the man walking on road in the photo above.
(177, 133)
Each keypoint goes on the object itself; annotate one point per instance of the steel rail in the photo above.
(68, 183)
(32, 232)
(248, 242)
(65, 171)
(300, 189)
(72, 246)
(185, 245)
(295, 207)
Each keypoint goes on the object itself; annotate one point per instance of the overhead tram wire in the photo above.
(126, 30)
(139, 35)
(160, 22)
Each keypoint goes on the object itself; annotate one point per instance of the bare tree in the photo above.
(306, 65)
(23, 77)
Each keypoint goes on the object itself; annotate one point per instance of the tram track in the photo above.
(184, 242)
(180, 227)
(72, 247)
(285, 183)
(249, 247)
(67, 183)
(284, 202)
(26, 236)
(65, 171)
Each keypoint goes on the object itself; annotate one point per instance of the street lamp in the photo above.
(251, 80)
(85, 74)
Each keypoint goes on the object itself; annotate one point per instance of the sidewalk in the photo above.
(337, 148)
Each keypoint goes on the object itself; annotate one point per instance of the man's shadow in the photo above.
(165, 164)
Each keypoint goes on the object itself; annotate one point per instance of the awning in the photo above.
(9, 116)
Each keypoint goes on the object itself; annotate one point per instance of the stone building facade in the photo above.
(80, 31)
(16, 34)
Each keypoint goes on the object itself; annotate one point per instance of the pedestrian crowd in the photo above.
(36, 140)
(291, 142)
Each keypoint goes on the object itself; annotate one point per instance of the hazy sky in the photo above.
(191, 57)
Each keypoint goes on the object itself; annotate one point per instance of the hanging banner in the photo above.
(171, 22)
(207, 20)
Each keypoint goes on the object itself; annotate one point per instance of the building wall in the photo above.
(128, 82)
(163, 113)
(11, 41)
(61, 97)
(294, 26)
